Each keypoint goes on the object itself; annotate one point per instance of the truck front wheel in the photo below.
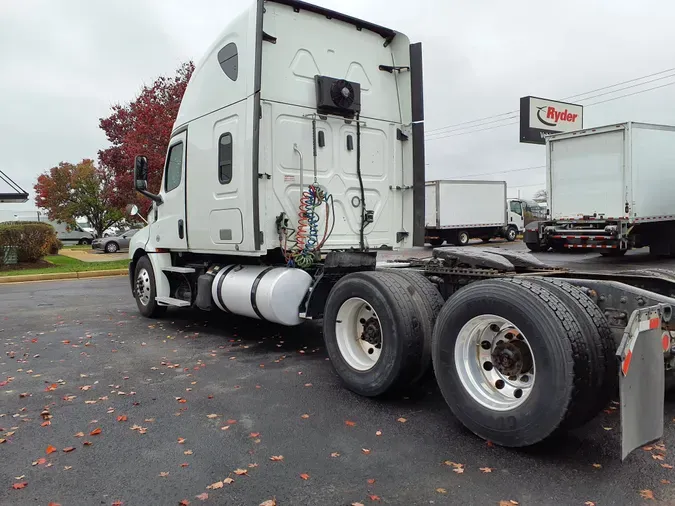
(511, 234)
(509, 359)
(374, 332)
(145, 289)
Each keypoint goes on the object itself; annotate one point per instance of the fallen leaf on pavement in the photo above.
(202, 497)
(374, 497)
(164, 474)
(50, 449)
(508, 503)
(231, 422)
(117, 503)
(647, 494)
(212, 415)
(366, 451)
(441, 491)
(371, 481)
(589, 503)
(486, 469)
(45, 424)
(184, 502)
(216, 485)
(2, 441)
(226, 427)
(122, 418)
(20, 477)
(228, 480)
(597, 466)
(665, 482)
(607, 428)
(402, 420)
(181, 440)
(666, 466)
(269, 502)
(79, 434)
(69, 449)
(305, 416)
(378, 433)
(657, 457)
(187, 452)
(357, 504)
(459, 470)
(252, 465)
(95, 432)
(254, 434)
(276, 458)
(184, 464)
(87, 443)
(19, 486)
(304, 476)
(647, 448)
(335, 454)
(350, 423)
(240, 472)
(53, 504)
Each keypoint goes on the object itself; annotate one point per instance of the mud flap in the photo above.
(642, 378)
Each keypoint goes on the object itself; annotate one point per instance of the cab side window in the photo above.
(225, 158)
(174, 167)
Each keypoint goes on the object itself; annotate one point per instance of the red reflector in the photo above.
(161, 250)
(665, 341)
(626, 363)
(654, 323)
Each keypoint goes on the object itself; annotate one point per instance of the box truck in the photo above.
(610, 189)
(298, 151)
(459, 210)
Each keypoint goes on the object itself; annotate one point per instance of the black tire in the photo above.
(557, 345)
(438, 241)
(511, 234)
(463, 238)
(151, 309)
(84, 241)
(603, 367)
(485, 239)
(429, 305)
(393, 300)
(535, 247)
(111, 247)
(613, 252)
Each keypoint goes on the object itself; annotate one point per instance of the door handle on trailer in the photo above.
(181, 231)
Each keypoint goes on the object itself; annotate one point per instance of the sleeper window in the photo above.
(225, 158)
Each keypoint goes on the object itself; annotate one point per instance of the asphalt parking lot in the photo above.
(100, 406)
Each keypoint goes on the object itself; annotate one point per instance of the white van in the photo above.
(65, 233)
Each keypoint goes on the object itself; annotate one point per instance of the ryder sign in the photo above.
(540, 116)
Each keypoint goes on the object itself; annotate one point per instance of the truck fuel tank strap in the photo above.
(223, 275)
(254, 292)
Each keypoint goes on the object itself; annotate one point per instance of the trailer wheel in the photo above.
(601, 348)
(429, 304)
(463, 238)
(145, 290)
(485, 238)
(436, 241)
(506, 354)
(373, 332)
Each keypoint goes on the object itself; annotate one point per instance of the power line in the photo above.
(480, 120)
(502, 172)
(472, 126)
(587, 105)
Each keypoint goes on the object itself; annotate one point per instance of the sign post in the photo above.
(540, 117)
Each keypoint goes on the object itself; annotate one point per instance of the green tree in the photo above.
(69, 191)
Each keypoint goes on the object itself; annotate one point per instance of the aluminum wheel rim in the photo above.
(359, 335)
(511, 234)
(143, 286)
(110, 247)
(495, 362)
(463, 238)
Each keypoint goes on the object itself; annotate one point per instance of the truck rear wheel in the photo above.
(601, 348)
(374, 332)
(463, 238)
(429, 305)
(145, 290)
(507, 355)
(436, 241)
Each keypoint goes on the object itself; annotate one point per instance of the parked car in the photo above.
(66, 233)
(115, 243)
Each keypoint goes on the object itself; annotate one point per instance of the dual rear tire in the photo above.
(516, 360)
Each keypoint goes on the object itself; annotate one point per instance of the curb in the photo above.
(63, 275)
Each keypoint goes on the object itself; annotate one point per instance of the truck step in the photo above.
(170, 301)
(182, 270)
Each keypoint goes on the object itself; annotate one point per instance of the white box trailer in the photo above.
(611, 188)
(459, 210)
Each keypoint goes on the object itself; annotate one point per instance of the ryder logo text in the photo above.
(553, 116)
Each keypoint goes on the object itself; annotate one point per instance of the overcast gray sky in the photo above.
(64, 63)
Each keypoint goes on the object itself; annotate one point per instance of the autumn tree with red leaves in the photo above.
(143, 126)
(70, 191)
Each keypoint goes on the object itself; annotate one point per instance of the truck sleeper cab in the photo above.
(298, 151)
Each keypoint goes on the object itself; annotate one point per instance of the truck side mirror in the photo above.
(141, 173)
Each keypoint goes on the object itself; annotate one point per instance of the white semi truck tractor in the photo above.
(297, 154)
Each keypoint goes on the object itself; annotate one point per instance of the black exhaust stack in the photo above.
(417, 87)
